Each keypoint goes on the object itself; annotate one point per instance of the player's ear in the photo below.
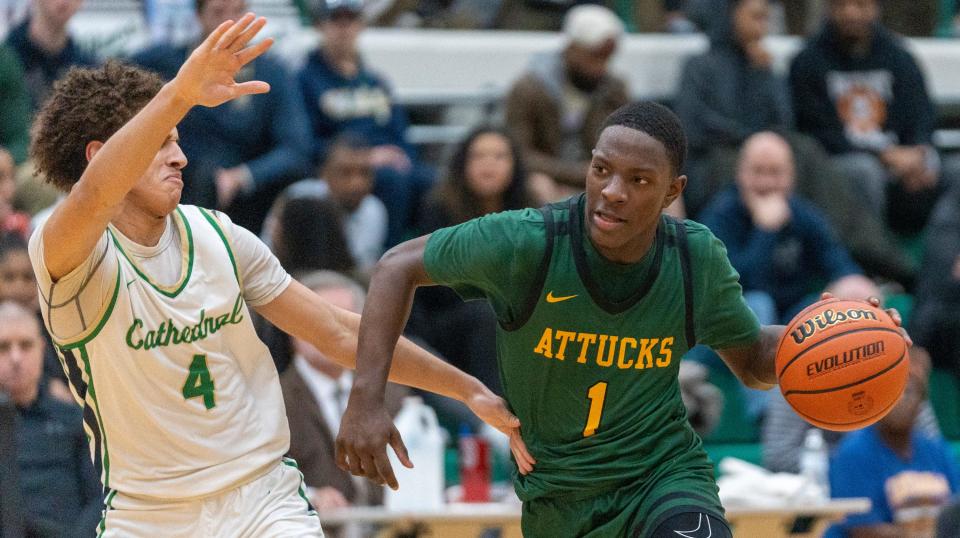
(92, 148)
(675, 190)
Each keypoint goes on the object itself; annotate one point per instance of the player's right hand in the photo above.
(207, 77)
(365, 431)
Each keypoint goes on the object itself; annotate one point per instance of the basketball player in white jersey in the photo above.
(147, 302)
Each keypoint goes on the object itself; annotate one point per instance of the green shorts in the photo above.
(633, 510)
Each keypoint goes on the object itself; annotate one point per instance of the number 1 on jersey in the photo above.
(597, 393)
(199, 383)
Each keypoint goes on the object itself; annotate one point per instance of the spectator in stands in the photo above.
(780, 244)
(18, 284)
(909, 477)
(556, 108)
(727, 94)
(486, 174)
(784, 430)
(15, 103)
(11, 220)
(935, 324)
(244, 153)
(44, 46)
(731, 92)
(862, 95)
(310, 236)
(58, 483)
(346, 178)
(343, 95)
(315, 390)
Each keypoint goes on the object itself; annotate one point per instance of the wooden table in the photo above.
(463, 520)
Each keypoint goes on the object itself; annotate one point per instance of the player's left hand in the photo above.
(492, 409)
(893, 312)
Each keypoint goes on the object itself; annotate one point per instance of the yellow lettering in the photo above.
(606, 360)
(645, 358)
(564, 336)
(545, 347)
(586, 340)
(665, 352)
(624, 342)
(603, 346)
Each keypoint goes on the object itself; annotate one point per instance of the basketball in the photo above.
(842, 364)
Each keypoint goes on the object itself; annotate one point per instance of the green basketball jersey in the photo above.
(590, 367)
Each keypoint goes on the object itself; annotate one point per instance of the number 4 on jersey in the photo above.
(199, 383)
(596, 394)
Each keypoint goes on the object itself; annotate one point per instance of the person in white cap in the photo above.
(556, 108)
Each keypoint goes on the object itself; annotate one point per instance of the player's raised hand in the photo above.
(207, 77)
(492, 409)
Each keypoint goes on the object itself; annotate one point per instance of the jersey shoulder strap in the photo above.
(552, 227)
(683, 248)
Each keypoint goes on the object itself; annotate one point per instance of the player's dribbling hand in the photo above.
(893, 312)
(206, 78)
(492, 409)
(365, 431)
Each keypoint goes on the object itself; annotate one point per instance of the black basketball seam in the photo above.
(829, 338)
(847, 386)
(879, 413)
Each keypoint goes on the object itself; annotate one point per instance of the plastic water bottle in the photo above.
(815, 463)
(474, 467)
(421, 488)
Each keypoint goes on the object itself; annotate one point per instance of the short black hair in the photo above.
(657, 121)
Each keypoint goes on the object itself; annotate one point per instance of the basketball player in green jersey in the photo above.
(598, 298)
(147, 302)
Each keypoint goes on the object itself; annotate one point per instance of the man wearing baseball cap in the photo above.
(556, 108)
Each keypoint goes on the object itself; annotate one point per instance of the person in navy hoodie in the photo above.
(343, 95)
(244, 153)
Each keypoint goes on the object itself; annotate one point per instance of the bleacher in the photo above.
(451, 80)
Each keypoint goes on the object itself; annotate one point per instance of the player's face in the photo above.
(21, 356)
(159, 189)
(489, 168)
(750, 20)
(854, 19)
(630, 180)
(349, 175)
(16, 280)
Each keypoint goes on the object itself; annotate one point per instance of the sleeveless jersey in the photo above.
(594, 381)
(180, 397)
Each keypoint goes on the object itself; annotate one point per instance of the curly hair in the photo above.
(86, 105)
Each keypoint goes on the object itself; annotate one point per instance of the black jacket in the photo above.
(854, 103)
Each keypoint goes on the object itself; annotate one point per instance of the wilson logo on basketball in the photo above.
(826, 319)
(847, 358)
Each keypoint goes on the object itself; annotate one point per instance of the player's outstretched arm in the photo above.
(755, 364)
(367, 428)
(115, 166)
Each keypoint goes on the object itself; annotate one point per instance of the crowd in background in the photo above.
(824, 180)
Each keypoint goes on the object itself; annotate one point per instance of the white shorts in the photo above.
(273, 505)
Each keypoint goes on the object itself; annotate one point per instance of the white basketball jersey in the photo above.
(181, 398)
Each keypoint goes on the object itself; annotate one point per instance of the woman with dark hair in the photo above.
(485, 175)
(309, 236)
